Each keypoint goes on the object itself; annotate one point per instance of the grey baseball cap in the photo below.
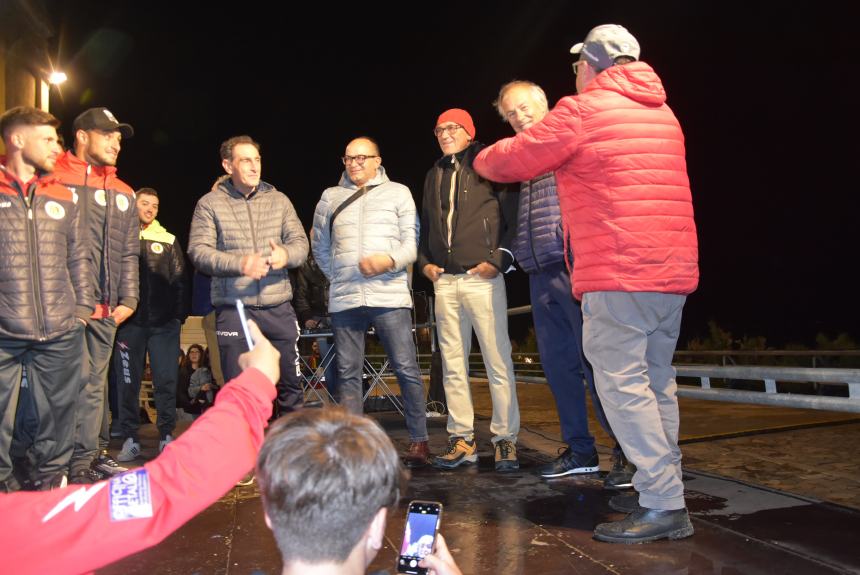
(604, 44)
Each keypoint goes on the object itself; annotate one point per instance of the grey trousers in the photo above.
(630, 338)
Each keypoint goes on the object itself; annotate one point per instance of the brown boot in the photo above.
(417, 455)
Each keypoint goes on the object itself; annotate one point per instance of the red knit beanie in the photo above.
(458, 116)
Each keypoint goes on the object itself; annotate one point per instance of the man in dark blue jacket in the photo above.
(539, 248)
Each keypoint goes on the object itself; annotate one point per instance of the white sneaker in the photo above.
(130, 450)
(163, 443)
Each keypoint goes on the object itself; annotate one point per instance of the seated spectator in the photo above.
(197, 388)
(327, 480)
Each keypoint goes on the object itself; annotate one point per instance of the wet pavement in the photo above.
(518, 523)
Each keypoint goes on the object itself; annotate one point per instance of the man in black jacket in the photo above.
(310, 301)
(44, 273)
(106, 206)
(467, 224)
(154, 327)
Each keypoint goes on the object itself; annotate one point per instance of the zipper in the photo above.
(253, 241)
(29, 200)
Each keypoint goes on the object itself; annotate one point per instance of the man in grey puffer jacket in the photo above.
(245, 234)
(364, 248)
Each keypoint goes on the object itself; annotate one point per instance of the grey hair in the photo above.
(537, 93)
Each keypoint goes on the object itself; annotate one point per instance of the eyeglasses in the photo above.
(450, 130)
(576, 67)
(360, 159)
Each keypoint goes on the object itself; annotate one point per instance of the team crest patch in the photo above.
(157, 248)
(99, 196)
(130, 496)
(54, 210)
(121, 202)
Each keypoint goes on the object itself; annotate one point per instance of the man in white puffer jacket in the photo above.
(364, 248)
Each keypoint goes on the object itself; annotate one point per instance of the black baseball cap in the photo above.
(101, 119)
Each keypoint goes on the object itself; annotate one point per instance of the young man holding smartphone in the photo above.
(328, 514)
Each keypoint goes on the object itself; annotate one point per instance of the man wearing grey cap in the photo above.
(618, 154)
(107, 208)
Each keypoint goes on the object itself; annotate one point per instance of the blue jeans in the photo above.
(394, 328)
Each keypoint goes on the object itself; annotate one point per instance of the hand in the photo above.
(440, 561)
(278, 259)
(264, 356)
(254, 266)
(432, 271)
(484, 270)
(121, 313)
(311, 323)
(376, 264)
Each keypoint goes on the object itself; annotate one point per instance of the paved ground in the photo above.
(770, 490)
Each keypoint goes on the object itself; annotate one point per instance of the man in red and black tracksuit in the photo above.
(110, 224)
(44, 274)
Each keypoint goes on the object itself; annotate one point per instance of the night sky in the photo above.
(762, 93)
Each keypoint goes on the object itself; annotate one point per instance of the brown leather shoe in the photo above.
(418, 454)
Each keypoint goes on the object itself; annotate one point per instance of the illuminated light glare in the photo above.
(57, 77)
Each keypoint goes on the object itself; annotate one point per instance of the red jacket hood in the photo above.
(636, 80)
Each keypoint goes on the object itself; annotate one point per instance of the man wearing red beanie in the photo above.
(467, 225)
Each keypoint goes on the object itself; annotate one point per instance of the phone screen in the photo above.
(240, 307)
(422, 523)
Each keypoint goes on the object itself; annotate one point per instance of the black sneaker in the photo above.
(568, 463)
(50, 482)
(85, 476)
(107, 465)
(621, 474)
(10, 485)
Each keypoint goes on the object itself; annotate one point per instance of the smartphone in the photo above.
(419, 537)
(240, 307)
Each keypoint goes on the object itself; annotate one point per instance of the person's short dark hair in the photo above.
(25, 116)
(323, 476)
(621, 60)
(147, 192)
(228, 145)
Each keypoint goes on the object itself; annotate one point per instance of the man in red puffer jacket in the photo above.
(617, 151)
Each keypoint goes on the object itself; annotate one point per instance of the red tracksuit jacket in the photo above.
(81, 528)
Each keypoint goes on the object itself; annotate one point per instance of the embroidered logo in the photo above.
(121, 202)
(157, 248)
(54, 210)
(130, 496)
(99, 196)
(110, 116)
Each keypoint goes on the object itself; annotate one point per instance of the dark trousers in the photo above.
(278, 323)
(91, 409)
(129, 360)
(52, 371)
(558, 327)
